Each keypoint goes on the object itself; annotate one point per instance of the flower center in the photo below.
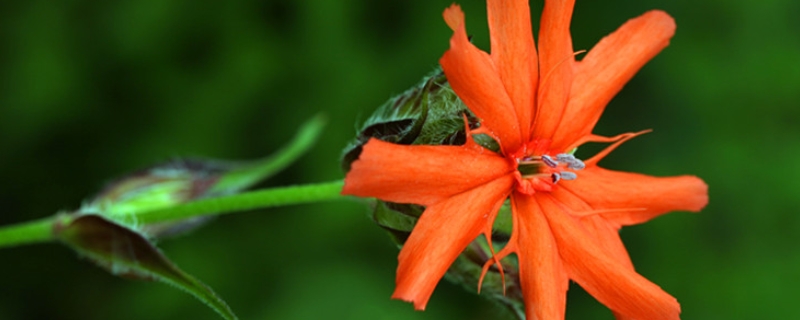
(542, 173)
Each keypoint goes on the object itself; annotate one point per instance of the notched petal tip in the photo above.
(419, 304)
(454, 17)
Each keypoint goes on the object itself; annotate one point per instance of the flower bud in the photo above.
(157, 187)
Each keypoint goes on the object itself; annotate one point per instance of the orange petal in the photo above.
(606, 69)
(613, 284)
(543, 278)
(606, 235)
(441, 234)
(555, 66)
(637, 197)
(514, 55)
(422, 175)
(474, 78)
(453, 17)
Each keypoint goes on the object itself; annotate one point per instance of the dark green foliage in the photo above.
(429, 113)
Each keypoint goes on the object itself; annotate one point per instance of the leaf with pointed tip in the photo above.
(126, 253)
(250, 174)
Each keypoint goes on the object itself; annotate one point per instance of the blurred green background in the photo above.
(90, 90)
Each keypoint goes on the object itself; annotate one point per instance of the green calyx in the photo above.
(429, 113)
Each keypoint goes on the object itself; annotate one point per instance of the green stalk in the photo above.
(246, 201)
(42, 230)
(27, 232)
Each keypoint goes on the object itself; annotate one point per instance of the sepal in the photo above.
(127, 253)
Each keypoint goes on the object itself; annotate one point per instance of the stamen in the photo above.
(535, 169)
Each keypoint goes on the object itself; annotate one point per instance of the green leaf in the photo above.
(126, 253)
(250, 174)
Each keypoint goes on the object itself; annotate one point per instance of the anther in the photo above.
(565, 157)
(563, 175)
(576, 165)
(571, 161)
(568, 175)
(549, 161)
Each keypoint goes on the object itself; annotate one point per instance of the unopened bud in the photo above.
(158, 187)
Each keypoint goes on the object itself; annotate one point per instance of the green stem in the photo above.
(246, 201)
(42, 230)
(27, 232)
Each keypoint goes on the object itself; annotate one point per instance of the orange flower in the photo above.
(566, 212)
